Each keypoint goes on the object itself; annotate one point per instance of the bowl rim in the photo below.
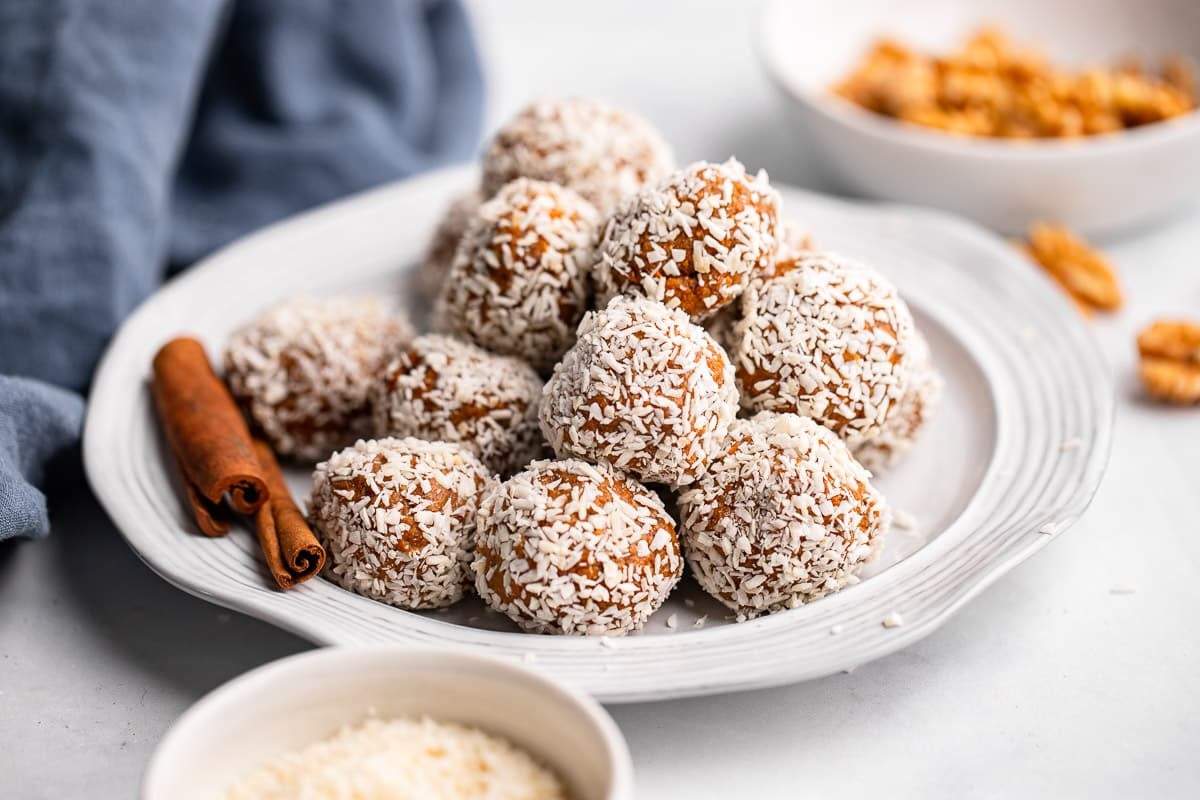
(931, 140)
(339, 658)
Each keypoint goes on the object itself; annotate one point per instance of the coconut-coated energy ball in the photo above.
(602, 152)
(304, 368)
(576, 548)
(898, 434)
(442, 388)
(398, 518)
(830, 339)
(794, 243)
(692, 241)
(644, 390)
(432, 272)
(520, 279)
(783, 515)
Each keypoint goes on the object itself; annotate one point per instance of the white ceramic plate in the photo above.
(1023, 377)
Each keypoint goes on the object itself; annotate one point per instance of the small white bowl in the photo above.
(1099, 185)
(296, 701)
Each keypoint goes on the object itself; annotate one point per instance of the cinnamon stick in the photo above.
(207, 434)
(289, 546)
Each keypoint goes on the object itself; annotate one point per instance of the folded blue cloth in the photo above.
(138, 136)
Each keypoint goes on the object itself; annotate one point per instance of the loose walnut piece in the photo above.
(1170, 361)
(1086, 275)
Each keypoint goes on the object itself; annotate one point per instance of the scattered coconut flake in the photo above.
(904, 520)
(893, 620)
(834, 630)
(672, 621)
(700, 621)
(1049, 529)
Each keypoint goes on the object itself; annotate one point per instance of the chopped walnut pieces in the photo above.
(989, 87)
(1086, 275)
(1170, 361)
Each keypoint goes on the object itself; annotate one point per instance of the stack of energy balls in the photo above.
(610, 330)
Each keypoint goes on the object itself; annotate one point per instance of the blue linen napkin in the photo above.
(137, 136)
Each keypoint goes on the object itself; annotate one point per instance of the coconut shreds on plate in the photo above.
(398, 518)
(831, 339)
(602, 152)
(417, 759)
(444, 389)
(783, 516)
(571, 547)
(693, 241)
(644, 390)
(305, 367)
(519, 282)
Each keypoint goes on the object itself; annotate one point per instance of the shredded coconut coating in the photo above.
(418, 759)
(783, 516)
(303, 370)
(520, 280)
(601, 152)
(576, 548)
(794, 243)
(444, 389)
(898, 434)
(431, 274)
(829, 339)
(398, 519)
(692, 241)
(644, 390)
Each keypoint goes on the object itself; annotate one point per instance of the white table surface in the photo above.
(1049, 684)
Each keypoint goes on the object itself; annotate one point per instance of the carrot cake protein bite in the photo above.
(303, 370)
(576, 548)
(441, 388)
(783, 515)
(829, 339)
(692, 241)
(898, 434)
(603, 153)
(644, 390)
(398, 518)
(431, 274)
(519, 283)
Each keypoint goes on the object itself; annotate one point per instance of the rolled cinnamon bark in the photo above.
(291, 549)
(207, 434)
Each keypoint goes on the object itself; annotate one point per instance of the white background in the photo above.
(1049, 684)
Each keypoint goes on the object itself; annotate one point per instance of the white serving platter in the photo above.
(1011, 459)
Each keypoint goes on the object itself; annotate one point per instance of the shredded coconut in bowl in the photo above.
(783, 516)
(576, 548)
(830, 339)
(412, 759)
(398, 519)
(304, 368)
(602, 152)
(643, 389)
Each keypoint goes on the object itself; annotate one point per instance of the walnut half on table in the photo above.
(1170, 361)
